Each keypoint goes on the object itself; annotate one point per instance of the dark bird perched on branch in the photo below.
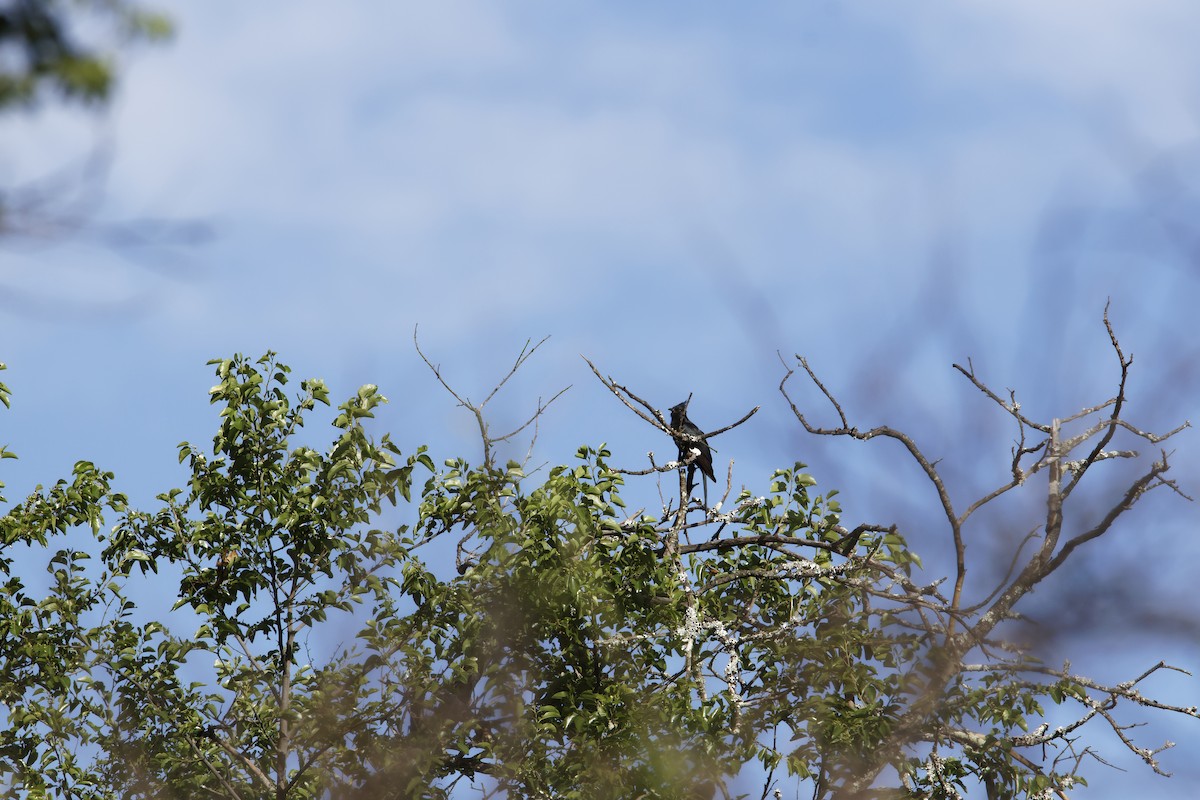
(691, 440)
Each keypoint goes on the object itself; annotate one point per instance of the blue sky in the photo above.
(674, 190)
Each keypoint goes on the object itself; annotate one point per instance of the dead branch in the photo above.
(477, 409)
(927, 466)
(1012, 407)
(1053, 453)
(656, 418)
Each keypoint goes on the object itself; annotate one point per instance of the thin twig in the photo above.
(490, 441)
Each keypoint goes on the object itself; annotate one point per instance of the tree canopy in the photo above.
(268, 629)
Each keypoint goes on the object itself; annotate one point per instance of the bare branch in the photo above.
(926, 465)
(1053, 453)
(655, 416)
(760, 539)
(1012, 407)
(490, 441)
(522, 357)
(1131, 496)
(731, 426)
(533, 418)
(1118, 404)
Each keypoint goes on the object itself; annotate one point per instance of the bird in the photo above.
(691, 441)
(224, 562)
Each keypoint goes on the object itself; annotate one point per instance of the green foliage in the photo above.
(46, 644)
(260, 633)
(43, 51)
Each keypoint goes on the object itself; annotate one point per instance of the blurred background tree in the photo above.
(68, 51)
(69, 54)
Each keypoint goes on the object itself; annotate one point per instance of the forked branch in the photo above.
(656, 418)
(477, 409)
(1053, 452)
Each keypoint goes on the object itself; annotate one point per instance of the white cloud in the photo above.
(454, 150)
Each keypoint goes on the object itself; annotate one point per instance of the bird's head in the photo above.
(678, 413)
